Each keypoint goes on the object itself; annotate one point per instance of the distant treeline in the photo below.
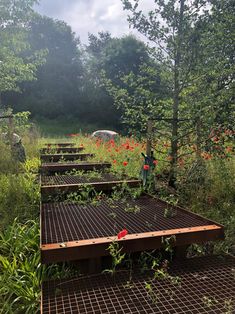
(68, 82)
(188, 72)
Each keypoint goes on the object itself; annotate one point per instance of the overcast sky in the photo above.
(91, 16)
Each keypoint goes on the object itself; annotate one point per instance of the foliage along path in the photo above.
(85, 244)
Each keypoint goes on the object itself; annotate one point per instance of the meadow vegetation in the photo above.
(207, 189)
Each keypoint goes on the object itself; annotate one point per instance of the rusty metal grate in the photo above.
(73, 179)
(55, 149)
(207, 287)
(58, 157)
(69, 183)
(52, 168)
(85, 231)
(59, 144)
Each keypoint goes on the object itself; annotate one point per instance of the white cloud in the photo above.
(91, 16)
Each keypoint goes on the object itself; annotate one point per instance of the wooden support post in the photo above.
(198, 139)
(11, 130)
(149, 137)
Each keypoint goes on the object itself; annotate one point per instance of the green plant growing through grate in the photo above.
(170, 212)
(167, 244)
(132, 208)
(117, 257)
(151, 294)
(209, 301)
(87, 195)
(123, 191)
(228, 306)
(89, 175)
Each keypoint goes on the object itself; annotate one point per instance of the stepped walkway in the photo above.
(81, 233)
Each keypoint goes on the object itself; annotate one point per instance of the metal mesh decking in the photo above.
(63, 222)
(77, 225)
(207, 286)
(73, 179)
(59, 144)
(58, 157)
(55, 167)
(55, 149)
(101, 182)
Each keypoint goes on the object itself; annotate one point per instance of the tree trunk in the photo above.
(198, 139)
(176, 100)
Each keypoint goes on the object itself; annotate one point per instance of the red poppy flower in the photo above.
(125, 163)
(146, 167)
(122, 234)
(155, 162)
(114, 161)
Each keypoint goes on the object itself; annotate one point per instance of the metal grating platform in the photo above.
(72, 232)
(103, 182)
(53, 150)
(207, 286)
(58, 157)
(52, 168)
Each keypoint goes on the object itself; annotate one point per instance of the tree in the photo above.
(141, 96)
(116, 57)
(176, 28)
(58, 88)
(14, 69)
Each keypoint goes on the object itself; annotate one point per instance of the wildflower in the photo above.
(155, 162)
(73, 134)
(215, 139)
(146, 167)
(114, 161)
(125, 163)
(122, 234)
(229, 149)
(228, 132)
(206, 156)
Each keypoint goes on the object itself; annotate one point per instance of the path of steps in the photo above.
(73, 232)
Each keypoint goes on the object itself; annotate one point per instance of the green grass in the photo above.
(66, 125)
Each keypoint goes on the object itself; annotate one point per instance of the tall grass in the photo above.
(21, 271)
(212, 194)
